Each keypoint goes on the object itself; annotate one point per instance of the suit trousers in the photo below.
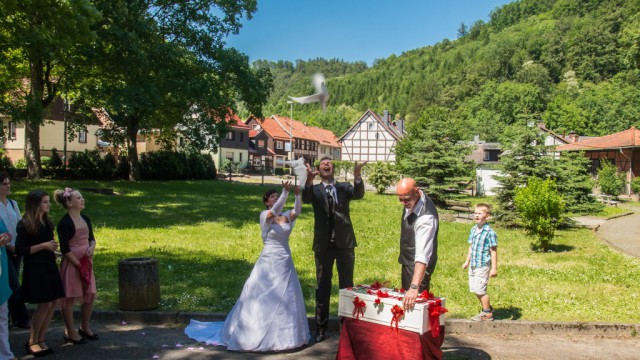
(407, 276)
(344, 260)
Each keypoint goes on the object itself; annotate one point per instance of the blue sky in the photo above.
(353, 30)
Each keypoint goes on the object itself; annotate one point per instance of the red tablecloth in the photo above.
(366, 340)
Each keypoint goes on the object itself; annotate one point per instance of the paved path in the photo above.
(622, 233)
(144, 341)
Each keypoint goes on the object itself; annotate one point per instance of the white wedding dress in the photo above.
(270, 314)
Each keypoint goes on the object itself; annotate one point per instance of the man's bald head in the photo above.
(408, 193)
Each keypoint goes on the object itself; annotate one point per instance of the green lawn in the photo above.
(206, 237)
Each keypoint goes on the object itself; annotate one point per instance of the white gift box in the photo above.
(416, 320)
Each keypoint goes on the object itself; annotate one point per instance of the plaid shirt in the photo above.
(481, 243)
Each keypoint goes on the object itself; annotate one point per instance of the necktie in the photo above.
(330, 199)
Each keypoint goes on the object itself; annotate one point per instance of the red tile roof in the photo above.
(623, 139)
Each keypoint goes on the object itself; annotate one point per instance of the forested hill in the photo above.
(574, 64)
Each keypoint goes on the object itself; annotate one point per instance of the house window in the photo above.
(260, 143)
(240, 157)
(12, 130)
(82, 136)
(279, 145)
(487, 155)
(231, 135)
(241, 137)
(370, 125)
(256, 127)
(229, 155)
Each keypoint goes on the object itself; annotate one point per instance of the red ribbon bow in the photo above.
(358, 307)
(435, 310)
(397, 313)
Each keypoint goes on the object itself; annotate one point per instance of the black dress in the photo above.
(41, 280)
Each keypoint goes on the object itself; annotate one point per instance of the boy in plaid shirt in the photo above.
(483, 258)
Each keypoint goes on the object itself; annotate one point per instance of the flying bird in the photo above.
(321, 95)
(299, 168)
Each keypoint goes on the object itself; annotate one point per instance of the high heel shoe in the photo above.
(68, 340)
(39, 353)
(48, 350)
(93, 336)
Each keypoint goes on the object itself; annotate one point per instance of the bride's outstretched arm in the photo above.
(297, 206)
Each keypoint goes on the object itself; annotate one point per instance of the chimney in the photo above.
(385, 117)
(573, 137)
(476, 139)
(400, 126)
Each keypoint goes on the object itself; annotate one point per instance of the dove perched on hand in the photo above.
(321, 95)
(299, 168)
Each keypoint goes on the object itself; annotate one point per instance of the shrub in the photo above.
(55, 162)
(540, 208)
(382, 175)
(122, 170)
(611, 182)
(279, 171)
(162, 165)
(85, 165)
(21, 163)
(635, 185)
(5, 162)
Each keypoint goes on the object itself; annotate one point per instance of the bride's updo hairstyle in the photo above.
(266, 195)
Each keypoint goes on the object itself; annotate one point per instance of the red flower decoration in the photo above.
(435, 310)
(377, 302)
(401, 291)
(427, 295)
(376, 285)
(358, 307)
(382, 294)
(397, 313)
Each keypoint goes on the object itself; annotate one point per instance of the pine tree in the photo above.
(575, 184)
(525, 157)
(433, 154)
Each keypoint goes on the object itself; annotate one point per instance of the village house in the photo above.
(372, 138)
(621, 149)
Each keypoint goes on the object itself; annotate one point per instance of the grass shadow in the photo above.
(509, 313)
(560, 248)
(464, 353)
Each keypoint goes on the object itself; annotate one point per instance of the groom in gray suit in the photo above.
(333, 236)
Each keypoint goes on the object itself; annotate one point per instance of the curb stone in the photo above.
(452, 326)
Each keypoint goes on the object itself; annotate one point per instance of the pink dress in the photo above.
(76, 290)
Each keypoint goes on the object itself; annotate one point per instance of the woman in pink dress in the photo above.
(77, 245)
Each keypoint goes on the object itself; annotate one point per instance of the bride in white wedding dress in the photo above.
(270, 314)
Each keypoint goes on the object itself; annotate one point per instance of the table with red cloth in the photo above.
(366, 340)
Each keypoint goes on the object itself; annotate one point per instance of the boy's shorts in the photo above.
(478, 279)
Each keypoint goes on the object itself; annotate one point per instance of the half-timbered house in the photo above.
(372, 138)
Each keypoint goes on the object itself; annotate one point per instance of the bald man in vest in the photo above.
(418, 240)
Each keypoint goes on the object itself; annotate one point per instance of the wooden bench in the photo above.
(462, 208)
(608, 200)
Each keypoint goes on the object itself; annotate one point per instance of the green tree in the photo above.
(164, 65)
(40, 41)
(610, 180)
(540, 208)
(382, 175)
(433, 154)
(575, 184)
(524, 156)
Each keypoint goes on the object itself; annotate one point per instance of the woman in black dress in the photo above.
(41, 282)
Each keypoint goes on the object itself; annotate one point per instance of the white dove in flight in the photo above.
(300, 169)
(321, 95)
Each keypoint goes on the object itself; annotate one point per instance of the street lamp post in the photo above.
(290, 134)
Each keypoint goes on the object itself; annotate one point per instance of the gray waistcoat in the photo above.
(408, 240)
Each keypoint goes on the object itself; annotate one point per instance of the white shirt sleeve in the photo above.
(425, 231)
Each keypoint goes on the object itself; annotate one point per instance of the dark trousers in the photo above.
(407, 276)
(17, 310)
(344, 260)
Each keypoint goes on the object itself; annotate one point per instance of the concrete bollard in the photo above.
(139, 284)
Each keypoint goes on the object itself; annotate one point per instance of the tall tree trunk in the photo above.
(132, 151)
(32, 150)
